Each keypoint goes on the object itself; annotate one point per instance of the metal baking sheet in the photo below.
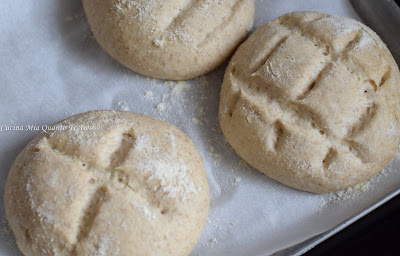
(301, 248)
(51, 67)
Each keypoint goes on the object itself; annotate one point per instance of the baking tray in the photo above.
(51, 68)
(307, 245)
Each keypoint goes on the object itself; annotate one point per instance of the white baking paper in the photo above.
(51, 68)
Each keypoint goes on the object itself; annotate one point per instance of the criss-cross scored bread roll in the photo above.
(312, 100)
(174, 39)
(133, 186)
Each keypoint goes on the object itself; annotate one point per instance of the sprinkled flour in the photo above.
(121, 105)
(173, 175)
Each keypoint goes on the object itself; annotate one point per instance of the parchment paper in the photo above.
(51, 68)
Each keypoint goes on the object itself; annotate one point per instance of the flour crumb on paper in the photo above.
(77, 16)
(178, 88)
(349, 194)
(148, 95)
(358, 191)
(236, 181)
(121, 105)
(6, 233)
(152, 80)
(221, 231)
(196, 121)
(161, 107)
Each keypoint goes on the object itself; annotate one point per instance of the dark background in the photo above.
(378, 233)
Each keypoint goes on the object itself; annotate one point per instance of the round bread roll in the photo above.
(108, 183)
(175, 39)
(312, 100)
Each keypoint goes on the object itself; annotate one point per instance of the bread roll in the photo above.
(312, 100)
(108, 183)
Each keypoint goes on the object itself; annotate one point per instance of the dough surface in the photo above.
(135, 186)
(174, 39)
(312, 100)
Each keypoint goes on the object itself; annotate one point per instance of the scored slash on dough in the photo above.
(182, 11)
(278, 130)
(206, 38)
(257, 66)
(89, 215)
(329, 158)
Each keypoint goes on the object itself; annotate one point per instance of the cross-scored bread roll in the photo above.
(312, 100)
(133, 185)
(174, 39)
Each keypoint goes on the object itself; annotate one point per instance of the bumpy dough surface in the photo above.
(312, 100)
(136, 186)
(174, 39)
